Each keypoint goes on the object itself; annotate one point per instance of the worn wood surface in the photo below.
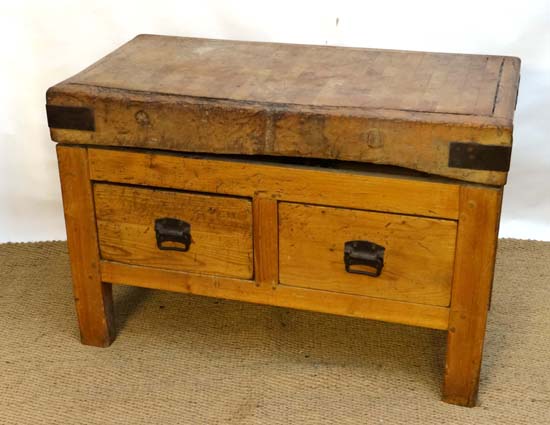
(298, 74)
(388, 107)
(93, 298)
(300, 184)
(221, 229)
(418, 260)
(293, 297)
(473, 276)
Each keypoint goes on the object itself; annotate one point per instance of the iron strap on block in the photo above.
(475, 156)
(70, 117)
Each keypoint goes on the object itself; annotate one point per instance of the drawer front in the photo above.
(130, 230)
(417, 260)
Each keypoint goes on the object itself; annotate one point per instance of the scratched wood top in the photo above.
(302, 75)
(234, 97)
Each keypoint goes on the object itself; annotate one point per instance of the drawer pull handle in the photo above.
(173, 230)
(364, 253)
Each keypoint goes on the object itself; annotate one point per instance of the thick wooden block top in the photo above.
(444, 114)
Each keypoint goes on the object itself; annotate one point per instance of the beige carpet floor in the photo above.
(182, 359)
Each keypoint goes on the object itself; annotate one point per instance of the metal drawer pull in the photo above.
(364, 253)
(173, 230)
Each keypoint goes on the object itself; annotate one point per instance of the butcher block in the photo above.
(351, 181)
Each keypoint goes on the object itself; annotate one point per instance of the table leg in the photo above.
(93, 298)
(473, 275)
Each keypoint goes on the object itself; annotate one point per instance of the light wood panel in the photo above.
(266, 252)
(221, 229)
(418, 259)
(473, 276)
(93, 299)
(299, 298)
(301, 184)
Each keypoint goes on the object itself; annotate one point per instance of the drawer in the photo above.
(417, 259)
(130, 230)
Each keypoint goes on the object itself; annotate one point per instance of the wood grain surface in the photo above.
(472, 282)
(93, 298)
(221, 229)
(428, 316)
(418, 260)
(266, 244)
(387, 107)
(303, 75)
(313, 185)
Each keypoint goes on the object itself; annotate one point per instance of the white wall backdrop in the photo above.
(43, 42)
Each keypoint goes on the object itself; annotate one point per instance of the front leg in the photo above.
(93, 298)
(473, 274)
